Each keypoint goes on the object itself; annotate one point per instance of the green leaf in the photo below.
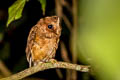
(43, 5)
(15, 11)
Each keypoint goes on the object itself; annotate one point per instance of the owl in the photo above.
(43, 40)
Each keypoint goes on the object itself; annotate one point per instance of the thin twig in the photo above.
(74, 31)
(44, 66)
(66, 4)
(74, 36)
(5, 71)
(58, 8)
(64, 52)
(67, 22)
(65, 57)
(59, 73)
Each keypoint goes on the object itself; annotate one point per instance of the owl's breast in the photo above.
(44, 49)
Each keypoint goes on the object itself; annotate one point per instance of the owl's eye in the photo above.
(50, 26)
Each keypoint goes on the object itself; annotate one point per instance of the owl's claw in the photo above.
(37, 62)
(53, 61)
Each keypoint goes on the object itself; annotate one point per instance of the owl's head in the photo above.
(50, 27)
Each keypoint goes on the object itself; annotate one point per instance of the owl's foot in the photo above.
(53, 61)
(37, 62)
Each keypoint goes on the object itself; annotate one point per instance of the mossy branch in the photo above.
(44, 66)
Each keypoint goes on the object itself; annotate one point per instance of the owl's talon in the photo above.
(53, 61)
(37, 62)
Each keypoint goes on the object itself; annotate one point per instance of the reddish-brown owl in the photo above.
(43, 40)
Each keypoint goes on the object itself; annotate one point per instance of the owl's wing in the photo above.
(30, 43)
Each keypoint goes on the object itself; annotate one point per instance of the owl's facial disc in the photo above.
(50, 27)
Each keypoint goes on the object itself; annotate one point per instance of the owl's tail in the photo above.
(29, 59)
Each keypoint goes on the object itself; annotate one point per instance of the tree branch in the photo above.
(44, 66)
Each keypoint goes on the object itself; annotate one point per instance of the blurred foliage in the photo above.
(98, 37)
(43, 4)
(15, 11)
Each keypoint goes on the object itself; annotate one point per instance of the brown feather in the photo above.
(43, 41)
